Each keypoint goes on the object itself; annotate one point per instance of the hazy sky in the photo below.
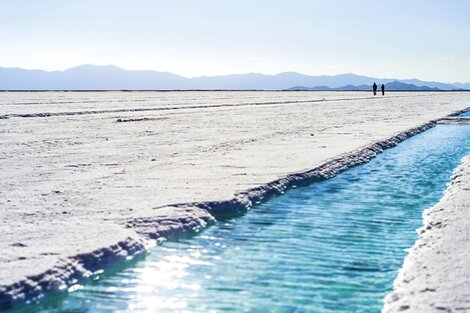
(427, 39)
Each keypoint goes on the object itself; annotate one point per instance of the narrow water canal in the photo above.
(334, 246)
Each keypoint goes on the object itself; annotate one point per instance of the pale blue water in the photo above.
(334, 246)
(465, 114)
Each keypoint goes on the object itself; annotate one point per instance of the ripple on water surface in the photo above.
(332, 246)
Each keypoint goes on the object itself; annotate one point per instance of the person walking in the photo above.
(374, 88)
(383, 89)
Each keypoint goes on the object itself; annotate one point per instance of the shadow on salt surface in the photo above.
(331, 246)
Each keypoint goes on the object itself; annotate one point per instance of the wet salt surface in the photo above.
(335, 246)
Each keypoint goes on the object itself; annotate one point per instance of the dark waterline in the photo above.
(334, 246)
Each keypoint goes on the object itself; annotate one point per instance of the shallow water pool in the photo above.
(334, 246)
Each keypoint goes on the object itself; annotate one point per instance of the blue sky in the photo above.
(426, 39)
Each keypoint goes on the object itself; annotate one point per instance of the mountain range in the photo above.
(394, 85)
(97, 77)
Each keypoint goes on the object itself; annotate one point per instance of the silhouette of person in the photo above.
(374, 88)
(383, 89)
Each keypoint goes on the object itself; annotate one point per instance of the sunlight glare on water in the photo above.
(334, 246)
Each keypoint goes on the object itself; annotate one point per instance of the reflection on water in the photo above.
(333, 246)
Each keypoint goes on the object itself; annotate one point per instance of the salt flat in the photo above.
(90, 176)
(434, 277)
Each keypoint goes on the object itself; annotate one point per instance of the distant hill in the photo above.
(93, 77)
(462, 85)
(437, 85)
(394, 85)
(397, 85)
(88, 77)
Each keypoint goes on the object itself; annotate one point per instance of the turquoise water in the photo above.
(467, 114)
(334, 246)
